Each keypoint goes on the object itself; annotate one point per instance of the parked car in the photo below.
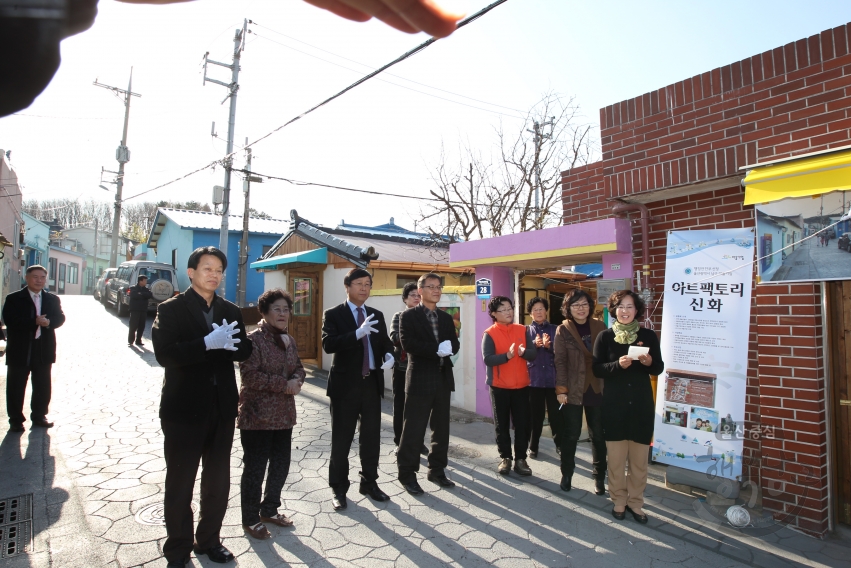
(162, 282)
(100, 285)
(844, 242)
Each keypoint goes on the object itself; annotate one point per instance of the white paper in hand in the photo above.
(635, 352)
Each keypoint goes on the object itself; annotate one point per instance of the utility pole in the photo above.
(242, 277)
(538, 140)
(233, 87)
(122, 155)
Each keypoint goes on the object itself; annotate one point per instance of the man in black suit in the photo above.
(198, 404)
(429, 338)
(357, 337)
(30, 315)
(139, 296)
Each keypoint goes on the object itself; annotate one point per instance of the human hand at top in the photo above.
(546, 341)
(435, 17)
(521, 350)
(389, 361)
(539, 341)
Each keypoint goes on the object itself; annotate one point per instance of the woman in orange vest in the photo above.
(505, 352)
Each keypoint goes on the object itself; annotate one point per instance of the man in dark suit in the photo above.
(198, 404)
(429, 338)
(139, 296)
(357, 337)
(30, 315)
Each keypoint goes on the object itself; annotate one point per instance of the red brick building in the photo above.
(678, 151)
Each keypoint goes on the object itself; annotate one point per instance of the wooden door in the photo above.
(839, 345)
(304, 324)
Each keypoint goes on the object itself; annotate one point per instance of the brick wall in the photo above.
(794, 99)
(792, 403)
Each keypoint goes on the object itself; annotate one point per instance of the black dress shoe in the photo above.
(42, 422)
(16, 428)
(139, 343)
(533, 454)
(374, 492)
(413, 487)
(599, 487)
(441, 480)
(640, 518)
(339, 502)
(178, 563)
(218, 554)
(619, 516)
(565, 484)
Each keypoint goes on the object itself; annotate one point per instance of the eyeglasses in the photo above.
(580, 306)
(438, 288)
(504, 311)
(625, 307)
(280, 311)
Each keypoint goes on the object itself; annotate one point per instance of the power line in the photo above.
(368, 66)
(363, 79)
(404, 87)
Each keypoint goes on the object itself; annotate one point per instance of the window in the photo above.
(154, 274)
(302, 297)
(402, 279)
(73, 269)
(266, 248)
(174, 258)
(51, 268)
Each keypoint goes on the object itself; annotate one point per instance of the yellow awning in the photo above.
(798, 177)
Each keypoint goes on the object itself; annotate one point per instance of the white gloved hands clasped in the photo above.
(444, 349)
(222, 336)
(389, 361)
(367, 327)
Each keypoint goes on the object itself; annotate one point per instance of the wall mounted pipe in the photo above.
(644, 219)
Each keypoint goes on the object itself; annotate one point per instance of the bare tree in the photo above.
(520, 189)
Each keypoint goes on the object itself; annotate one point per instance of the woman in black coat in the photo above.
(628, 406)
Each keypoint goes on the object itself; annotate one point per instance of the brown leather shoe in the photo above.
(258, 531)
(278, 519)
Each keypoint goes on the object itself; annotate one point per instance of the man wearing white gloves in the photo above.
(197, 336)
(356, 336)
(429, 338)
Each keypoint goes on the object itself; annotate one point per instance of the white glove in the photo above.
(366, 327)
(389, 361)
(444, 349)
(222, 337)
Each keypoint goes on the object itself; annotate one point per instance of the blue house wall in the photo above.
(174, 238)
(256, 242)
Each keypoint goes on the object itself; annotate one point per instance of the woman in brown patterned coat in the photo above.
(271, 377)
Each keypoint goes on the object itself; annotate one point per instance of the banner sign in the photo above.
(700, 399)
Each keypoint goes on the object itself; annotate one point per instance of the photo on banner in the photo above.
(700, 402)
(802, 239)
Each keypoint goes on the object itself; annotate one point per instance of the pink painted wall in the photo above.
(502, 280)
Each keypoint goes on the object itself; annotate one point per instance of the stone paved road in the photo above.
(103, 463)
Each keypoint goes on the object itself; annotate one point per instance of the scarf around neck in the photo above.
(280, 335)
(626, 334)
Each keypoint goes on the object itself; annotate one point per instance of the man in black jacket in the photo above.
(31, 315)
(139, 296)
(198, 404)
(357, 337)
(429, 338)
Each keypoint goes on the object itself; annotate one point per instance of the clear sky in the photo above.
(386, 134)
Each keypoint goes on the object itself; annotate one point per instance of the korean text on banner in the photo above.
(700, 402)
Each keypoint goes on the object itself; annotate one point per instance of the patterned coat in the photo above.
(263, 401)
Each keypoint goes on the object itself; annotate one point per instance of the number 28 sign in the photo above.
(483, 288)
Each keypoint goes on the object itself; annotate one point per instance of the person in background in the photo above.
(411, 299)
(629, 411)
(271, 378)
(31, 316)
(139, 296)
(577, 388)
(505, 353)
(542, 375)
